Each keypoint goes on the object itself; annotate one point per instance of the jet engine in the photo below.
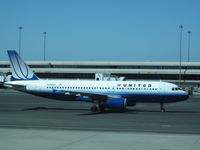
(116, 103)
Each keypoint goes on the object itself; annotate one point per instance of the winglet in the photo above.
(20, 70)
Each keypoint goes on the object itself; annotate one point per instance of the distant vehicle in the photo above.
(2, 78)
(108, 77)
(103, 94)
(189, 91)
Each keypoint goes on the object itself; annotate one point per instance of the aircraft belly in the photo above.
(159, 97)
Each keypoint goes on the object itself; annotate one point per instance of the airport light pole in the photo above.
(20, 33)
(189, 32)
(44, 33)
(180, 53)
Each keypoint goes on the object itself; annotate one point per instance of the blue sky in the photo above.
(100, 30)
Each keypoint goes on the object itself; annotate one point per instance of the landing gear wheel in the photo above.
(93, 109)
(101, 107)
(162, 109)
(123, 109)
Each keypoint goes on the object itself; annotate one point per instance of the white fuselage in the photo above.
(137, 91)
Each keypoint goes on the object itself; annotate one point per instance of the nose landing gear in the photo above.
(162, 109)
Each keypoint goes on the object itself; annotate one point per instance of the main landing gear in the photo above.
(94, 109)
(162, 109)
(97, 106)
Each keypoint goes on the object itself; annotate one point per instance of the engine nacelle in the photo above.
(116, 103)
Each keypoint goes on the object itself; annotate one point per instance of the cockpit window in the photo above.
(176, 89)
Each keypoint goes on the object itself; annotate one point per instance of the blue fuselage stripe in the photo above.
(131, 96)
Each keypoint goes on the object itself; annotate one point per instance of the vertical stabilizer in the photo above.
(20, 70)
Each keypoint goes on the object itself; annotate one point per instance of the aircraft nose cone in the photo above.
(185, 96)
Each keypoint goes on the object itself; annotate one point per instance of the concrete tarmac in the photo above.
(30, 122)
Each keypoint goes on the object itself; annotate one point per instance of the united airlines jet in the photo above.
(102, 94)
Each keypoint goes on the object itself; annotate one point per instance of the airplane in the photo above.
(102, 94)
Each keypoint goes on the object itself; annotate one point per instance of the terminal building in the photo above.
(166, 71)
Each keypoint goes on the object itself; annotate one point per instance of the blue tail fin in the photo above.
(20, 70)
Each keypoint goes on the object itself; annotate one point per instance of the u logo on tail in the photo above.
(20, 70)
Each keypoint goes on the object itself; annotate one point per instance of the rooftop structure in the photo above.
(167, 71)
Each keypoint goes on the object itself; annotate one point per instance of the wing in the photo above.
(94, 96)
